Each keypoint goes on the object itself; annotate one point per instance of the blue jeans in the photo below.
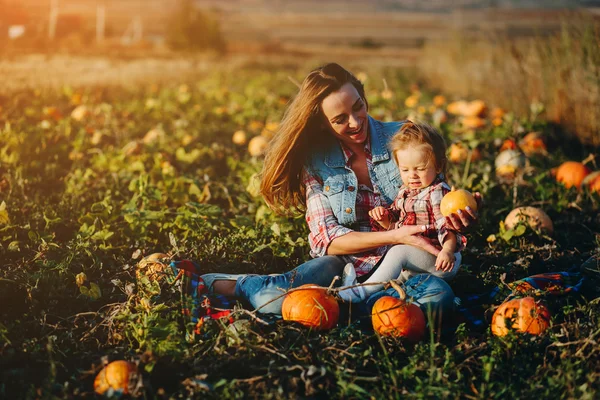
(260, 289)
(431, 293)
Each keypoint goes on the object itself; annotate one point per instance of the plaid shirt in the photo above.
(422, 207)
(318, 210)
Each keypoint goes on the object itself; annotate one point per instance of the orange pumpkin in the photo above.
(395, 317)
(459, 153)
(475, 108)
(457, 200)
(155, 267)
(533, 143)
(117, 378)
(473, 122)
(595, 185)
(312, 307)
(439, 100)
(521, 315)
(534, 217)
(571, 173)
(457, 107)
(589, 179)
(239, 138)
(508, 144)
(497, 112)
(257, 146)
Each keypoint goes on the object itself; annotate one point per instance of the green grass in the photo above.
(77, 201)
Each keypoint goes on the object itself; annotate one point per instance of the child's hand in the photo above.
(379, 214)
(445, 261)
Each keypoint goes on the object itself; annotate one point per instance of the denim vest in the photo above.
(339, 181)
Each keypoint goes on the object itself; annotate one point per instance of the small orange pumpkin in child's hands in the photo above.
(457, 200)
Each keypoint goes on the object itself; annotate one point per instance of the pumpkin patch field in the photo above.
(103, 187)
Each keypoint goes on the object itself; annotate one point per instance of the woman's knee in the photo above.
(333, 265)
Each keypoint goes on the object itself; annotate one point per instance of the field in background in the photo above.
(558, 75)
(110, 152)
(93, 179)
(315, 29)
(508, 57)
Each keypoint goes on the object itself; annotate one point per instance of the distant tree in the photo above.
(193, 29)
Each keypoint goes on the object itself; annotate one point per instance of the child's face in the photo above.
(417, 170)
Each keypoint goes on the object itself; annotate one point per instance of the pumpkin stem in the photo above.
(333, 281)
(398, 289)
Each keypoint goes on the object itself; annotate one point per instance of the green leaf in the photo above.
(87, 230)
(508, 235)
(275, 228)
(4, 219)
(188, 158)
(102, 235)
(520, 230)
(94, 293)
(49, 221)
(195, 191)
(261, 213)
(260, 248)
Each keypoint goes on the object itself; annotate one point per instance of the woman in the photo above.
(330, 158)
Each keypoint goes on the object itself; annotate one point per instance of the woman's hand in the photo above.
(412, 235)
(464, 220)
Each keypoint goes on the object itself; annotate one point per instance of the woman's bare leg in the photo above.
(224, 287)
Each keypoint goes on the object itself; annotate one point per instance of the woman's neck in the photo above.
(358, 148)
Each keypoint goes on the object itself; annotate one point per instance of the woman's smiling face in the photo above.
(346, 114)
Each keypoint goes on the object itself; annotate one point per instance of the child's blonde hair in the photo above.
(421, 134)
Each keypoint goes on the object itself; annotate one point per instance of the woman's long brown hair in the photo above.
(300, 132)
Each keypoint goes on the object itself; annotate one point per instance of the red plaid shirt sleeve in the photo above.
(323, 225)
(437, 193)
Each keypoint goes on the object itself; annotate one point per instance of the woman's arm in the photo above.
(358, 242)
(328, 237)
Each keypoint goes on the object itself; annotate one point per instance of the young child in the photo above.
(420, 153)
